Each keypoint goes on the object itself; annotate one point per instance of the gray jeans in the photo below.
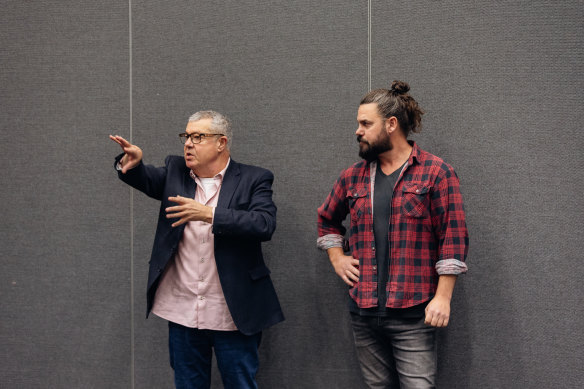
(395, 353)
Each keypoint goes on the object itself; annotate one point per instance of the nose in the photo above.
(359, 131)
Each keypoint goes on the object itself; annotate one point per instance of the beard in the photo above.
(370, 151)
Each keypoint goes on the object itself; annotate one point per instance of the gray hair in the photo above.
(220, 124)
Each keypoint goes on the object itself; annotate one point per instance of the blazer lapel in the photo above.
(189, 185)
(230, 182)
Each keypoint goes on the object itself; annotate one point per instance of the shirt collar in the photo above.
(219, 175)
(415, 154)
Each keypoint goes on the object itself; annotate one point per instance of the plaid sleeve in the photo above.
(331, 215)
(448, 220)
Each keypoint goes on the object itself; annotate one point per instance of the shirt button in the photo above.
(202, 278)
(202, 260)
(417, 191)
(374, 267)
(201, 297)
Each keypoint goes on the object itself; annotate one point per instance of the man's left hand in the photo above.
(188, 210)
(438, 312)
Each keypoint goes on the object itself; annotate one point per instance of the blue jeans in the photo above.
(395, 353)
(191, 352)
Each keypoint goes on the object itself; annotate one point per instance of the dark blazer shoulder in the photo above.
(175, 161)
(252, 170)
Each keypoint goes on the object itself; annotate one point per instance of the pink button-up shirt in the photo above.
(190, 293)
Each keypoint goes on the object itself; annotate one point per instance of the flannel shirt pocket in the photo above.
(357, 198)
(415, 200)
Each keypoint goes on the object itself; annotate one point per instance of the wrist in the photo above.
(209, 214)
(334, 254)
(444, 297)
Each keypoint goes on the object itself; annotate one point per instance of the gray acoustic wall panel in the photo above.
(65, 236)
(501, 83)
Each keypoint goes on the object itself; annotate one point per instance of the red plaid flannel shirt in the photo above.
(427, 230)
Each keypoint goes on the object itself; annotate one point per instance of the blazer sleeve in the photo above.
(256, 220)
(146, 178)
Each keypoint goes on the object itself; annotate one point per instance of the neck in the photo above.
(393, 159)
(213, 168)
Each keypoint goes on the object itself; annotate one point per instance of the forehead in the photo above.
(368, 112)
(201, 126)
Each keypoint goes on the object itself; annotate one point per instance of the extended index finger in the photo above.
(121, 141)
(115, 139)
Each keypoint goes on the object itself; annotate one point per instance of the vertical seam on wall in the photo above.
(132, 342)
(369, 45)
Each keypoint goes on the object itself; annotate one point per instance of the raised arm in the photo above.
(147, 179)
(132, 153)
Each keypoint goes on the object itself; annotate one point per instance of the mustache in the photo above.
(360, 139)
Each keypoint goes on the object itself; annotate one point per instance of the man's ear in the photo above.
(222, 143)
(391, 124)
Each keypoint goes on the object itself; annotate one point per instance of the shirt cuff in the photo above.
(451, 266)
(328, 241)
(119, 167)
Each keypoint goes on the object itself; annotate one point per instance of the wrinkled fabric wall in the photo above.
(501, 84)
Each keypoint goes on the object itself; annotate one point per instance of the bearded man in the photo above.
(407, 240)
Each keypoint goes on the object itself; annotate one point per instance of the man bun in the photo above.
(399, 87)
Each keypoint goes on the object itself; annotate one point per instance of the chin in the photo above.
(191, 164)
(363, 152)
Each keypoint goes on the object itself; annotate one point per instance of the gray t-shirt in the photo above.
(383, 195)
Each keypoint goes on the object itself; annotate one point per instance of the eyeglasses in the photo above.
(195, 138)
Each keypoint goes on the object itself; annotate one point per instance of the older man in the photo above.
(207, 275)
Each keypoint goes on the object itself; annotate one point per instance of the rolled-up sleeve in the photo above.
(330, 217)
(448, 218)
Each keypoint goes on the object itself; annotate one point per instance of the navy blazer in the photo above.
(244, 217)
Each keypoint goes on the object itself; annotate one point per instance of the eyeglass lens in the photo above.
(195, 138)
